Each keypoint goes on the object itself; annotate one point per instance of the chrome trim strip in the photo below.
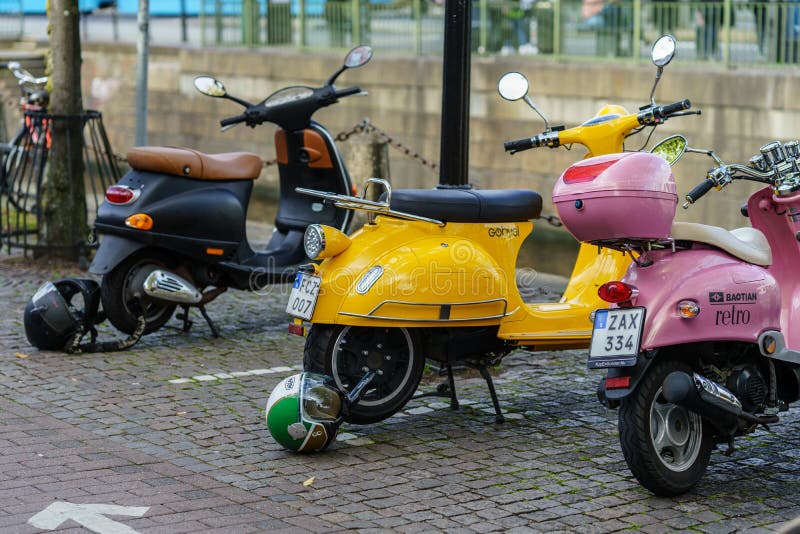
(422, 320)
(451, 304)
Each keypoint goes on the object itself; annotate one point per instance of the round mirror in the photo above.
(664, 50)
(209, 86)
(513, 86)
(358, 56)
(671, 148)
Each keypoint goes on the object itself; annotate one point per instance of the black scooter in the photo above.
(174, 227)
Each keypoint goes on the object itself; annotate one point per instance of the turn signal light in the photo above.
(616, 292)
(121, 195)
(688, 309)
(140, 221)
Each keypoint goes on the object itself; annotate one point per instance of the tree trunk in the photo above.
(64, 226)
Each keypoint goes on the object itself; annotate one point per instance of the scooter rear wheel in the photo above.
(118, 297)
(347, 352)
(666, 446)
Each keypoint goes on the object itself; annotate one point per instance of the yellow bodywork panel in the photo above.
(460, 272)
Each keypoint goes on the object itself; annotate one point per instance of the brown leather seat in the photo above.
(194, 164)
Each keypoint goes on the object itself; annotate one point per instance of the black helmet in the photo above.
(52, 319)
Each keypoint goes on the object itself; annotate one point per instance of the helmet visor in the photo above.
(319, 401)
(53, 309)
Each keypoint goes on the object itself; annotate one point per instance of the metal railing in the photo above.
(724, 31)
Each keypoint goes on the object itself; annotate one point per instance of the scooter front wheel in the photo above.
(346, 353)
(118, 294)
(666, 446)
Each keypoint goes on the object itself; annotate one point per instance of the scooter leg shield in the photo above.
(113, 250)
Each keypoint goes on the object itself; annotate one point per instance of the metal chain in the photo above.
(365, 126)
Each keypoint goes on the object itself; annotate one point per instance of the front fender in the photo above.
(112, 251)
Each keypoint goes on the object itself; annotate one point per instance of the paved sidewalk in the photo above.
(176, 425)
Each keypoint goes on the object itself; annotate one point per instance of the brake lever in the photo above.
(228, 127)
(682, 113)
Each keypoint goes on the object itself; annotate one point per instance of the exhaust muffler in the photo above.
(165, 285)
(709, 399)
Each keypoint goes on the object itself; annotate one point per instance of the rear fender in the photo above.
(737, 301)
(434, 280)
(113, 250)
(611, 398)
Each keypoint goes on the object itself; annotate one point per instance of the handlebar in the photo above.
(601, 137)
(549, 139)
(663, 112)
(519, 144)
(700, 189)
(230, 121)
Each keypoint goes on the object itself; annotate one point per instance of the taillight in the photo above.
(120, 194)
(616, 292)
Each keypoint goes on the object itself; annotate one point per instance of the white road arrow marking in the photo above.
(91, 516)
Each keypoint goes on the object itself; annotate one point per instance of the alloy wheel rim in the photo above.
(675, 433)
(385, 360)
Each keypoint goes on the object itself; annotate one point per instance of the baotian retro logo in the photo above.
(716, 297)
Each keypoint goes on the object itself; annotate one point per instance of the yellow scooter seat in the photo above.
(469, 205)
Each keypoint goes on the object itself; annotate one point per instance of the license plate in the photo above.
(303, 296)
(616, 337)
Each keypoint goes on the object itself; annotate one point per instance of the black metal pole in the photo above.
(184, 32)
(454, 156)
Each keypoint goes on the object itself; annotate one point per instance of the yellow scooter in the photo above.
(432, 273)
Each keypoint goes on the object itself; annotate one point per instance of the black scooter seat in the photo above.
(469, 205)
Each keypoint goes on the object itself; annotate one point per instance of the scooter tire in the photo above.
(644, 420)
(113, 289)
(321, 356)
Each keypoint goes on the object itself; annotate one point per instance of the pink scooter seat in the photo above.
(747, 244)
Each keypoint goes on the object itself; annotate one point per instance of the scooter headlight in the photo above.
(322, 241)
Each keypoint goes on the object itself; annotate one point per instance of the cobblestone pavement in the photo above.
(112, 429)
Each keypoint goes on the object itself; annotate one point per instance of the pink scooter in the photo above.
(701, 339)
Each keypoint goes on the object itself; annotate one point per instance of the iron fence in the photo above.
(24, 174)
(723, 31)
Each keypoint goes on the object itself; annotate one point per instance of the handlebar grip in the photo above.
(233, 120)
(699, 190)
(519, 144)
(349, 91)
(669, 109)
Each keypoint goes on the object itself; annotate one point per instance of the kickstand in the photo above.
(445, 389)
(498, 417)
(187, 323)
(211, 325)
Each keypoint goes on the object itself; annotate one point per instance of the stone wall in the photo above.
(742, 109)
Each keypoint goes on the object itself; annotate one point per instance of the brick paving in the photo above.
(112, 429)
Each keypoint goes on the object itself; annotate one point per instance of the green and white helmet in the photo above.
(304, 412)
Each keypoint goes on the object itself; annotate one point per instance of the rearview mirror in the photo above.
(210, 86)
(358, 56)
(513, 86)
(671, 148)
(663, 50)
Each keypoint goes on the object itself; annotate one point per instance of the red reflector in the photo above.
(117, 194)
(618, 382)
(297, 329)
(615, 292)
(581, 172)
